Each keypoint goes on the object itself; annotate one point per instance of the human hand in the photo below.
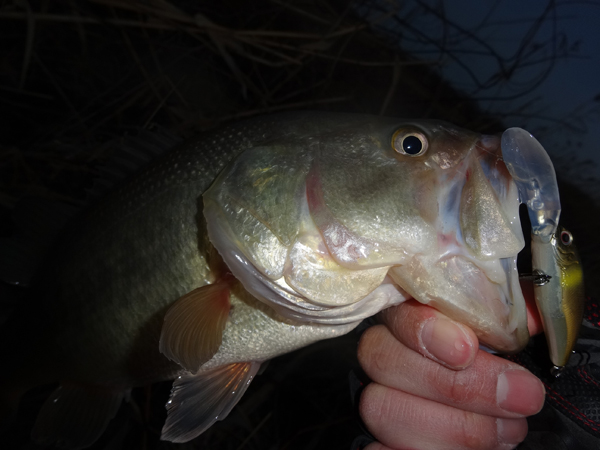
(456, 397)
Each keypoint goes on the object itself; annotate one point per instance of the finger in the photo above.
(491, 385)
(400, 420)
(376, 446)
(448, 342)
(431, 333)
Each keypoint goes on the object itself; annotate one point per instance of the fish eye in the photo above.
(566, 238)
(410, 142)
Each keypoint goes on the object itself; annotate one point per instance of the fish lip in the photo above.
(502, 325)
(490, 142)
(505, 298)
(463, 292)
(485, 266)
(506, 280)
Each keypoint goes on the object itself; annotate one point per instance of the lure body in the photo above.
(560, 300)
(558, 276)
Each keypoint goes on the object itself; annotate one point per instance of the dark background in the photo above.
(75, 77)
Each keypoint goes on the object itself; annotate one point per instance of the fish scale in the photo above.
(161, 258)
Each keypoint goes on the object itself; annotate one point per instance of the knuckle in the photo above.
(376, 446)
(371, 349)
(371, 406)
(404, 321)
(460, 387)
(473, 432)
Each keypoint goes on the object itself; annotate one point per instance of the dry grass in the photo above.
(74, 74)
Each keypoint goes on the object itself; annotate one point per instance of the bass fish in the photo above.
(254, 240)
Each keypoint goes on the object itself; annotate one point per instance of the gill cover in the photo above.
(258, 218)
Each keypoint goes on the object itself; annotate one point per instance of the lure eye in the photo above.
(566, 238)
(410, 142)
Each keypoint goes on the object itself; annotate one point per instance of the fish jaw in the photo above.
(456, 286)
(471, 275)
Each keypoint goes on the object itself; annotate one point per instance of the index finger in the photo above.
(432, 334)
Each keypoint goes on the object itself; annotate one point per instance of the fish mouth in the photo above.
(472, 275)
(484, 296)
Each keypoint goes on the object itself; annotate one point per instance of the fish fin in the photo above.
(193, 327)
(199, 400)
(75, 417)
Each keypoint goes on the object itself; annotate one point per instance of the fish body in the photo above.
(254, 240)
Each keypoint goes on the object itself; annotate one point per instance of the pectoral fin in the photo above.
(194, 325)
(197, 401)
(75, 417)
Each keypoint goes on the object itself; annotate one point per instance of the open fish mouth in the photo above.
(471, 275)
(487, 299)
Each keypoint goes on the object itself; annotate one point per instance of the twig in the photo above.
(392, 89)
(28, 93)
(269, 109)
(61, 18)
(28, 41)
(59, 90)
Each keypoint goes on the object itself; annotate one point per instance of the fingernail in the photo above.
(511, 432)
(520, 392)
(447, 342)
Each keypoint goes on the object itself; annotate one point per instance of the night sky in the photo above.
(557, 86)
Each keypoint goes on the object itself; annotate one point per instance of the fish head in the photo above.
(333, 222)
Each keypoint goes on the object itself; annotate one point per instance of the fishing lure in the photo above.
(557, 272)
